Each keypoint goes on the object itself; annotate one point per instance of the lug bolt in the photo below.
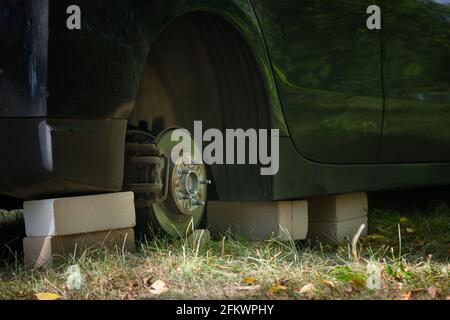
(206, 182)
(197, 203)
(184, 197)
(182, 171)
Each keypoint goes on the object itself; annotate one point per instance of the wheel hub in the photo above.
(168, 196)
(188, 185)
(192, 183)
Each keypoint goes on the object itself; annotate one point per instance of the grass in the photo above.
(12, 230)
(409, 250)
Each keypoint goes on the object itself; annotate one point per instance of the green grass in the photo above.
(12, 230)
(232, 268)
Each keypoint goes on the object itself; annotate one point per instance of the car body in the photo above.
(357, 109)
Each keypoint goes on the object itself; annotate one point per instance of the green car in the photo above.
(89, 108)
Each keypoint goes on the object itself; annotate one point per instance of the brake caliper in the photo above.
(146, 169)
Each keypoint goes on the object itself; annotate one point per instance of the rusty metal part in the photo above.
(146, 169)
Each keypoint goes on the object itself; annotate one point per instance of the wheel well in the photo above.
(201, 68)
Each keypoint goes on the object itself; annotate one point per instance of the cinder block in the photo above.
(42, 251)
(336, 218)
(260, 221)
(335, 232)
(338, 208)
(67, 216)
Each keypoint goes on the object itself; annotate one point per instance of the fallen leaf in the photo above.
(158, 288)
(278, 289)
(308, 290)
(47, 296)
(358, 282)
(433, 291)
(404, 220)
(249, 280)
(329, 283)
(410, 230)
(406, 296)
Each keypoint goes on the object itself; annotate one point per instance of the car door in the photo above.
(416, 39)
(327, 65)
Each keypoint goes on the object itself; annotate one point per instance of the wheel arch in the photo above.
(241, 16)
(210, 65)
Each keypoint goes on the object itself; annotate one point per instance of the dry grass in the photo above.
(233, 268)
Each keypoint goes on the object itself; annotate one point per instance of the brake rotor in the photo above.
(184, 207)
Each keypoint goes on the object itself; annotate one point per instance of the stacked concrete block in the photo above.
(61, 227)
(337, 218)
(284, 220)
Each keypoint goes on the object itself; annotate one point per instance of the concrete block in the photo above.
(336, 218)
(67, 216)
(260, 220)
(338, 208)
(42, 251)
(335, 232)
